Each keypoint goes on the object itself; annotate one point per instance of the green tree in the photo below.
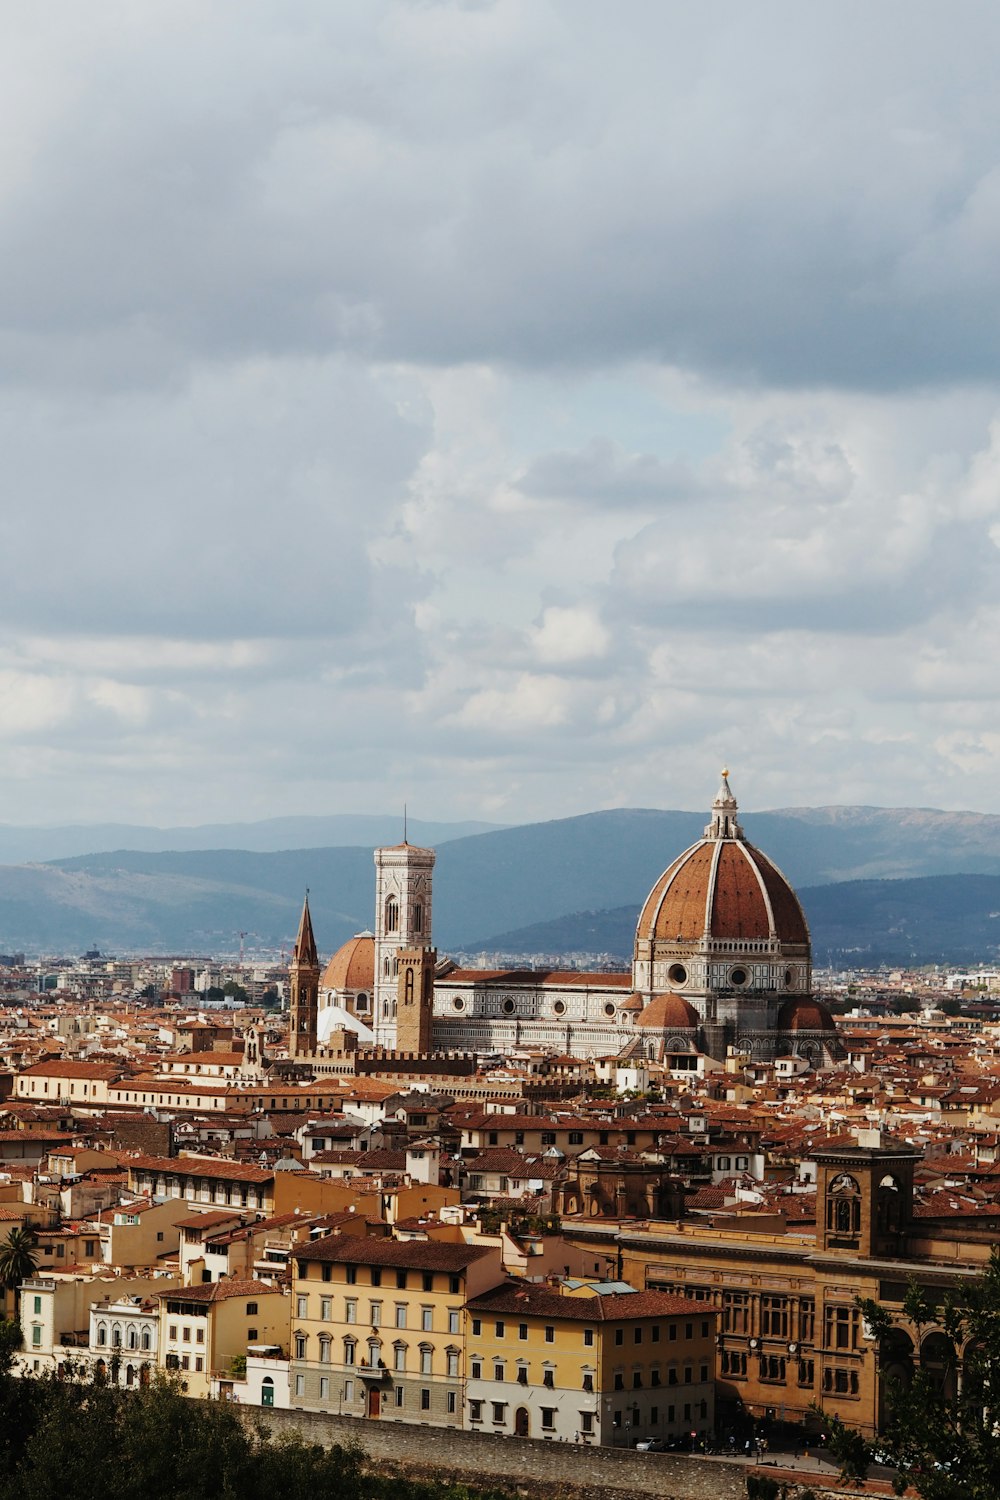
(943, 1432)
(18, 1260)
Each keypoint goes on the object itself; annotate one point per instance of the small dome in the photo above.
(633, 1003)
(805, 1014)
(352, 967)
(669, 1013)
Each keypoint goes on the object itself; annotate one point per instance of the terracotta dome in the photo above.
(724, 889)
(352, 967)
(804, 1014)
(633, 1003)
(669, 1013)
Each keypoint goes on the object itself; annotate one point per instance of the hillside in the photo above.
(496, 882)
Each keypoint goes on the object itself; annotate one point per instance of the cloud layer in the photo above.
(511, 407)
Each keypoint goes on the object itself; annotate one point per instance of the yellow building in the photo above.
(589, 1362)
(378, 1326)
(203, 1328)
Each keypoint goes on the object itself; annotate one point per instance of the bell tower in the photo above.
(864, 1197)
(303, 984)
(403, 892)
(415, 999)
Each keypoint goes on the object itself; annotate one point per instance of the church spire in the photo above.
(304, 951)
(724, 824)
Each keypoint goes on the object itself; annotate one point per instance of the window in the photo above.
(324, 1387)
(452, 1358)
(301, 1307)
(637, 1380)
(672, 1331)
(348, 1390)
(252, 1310)
(477, 1327)
(655, 1333)
(807, 1320)
(619, 1335)
(588, 1380)
(400, 1394)
(498, 1372)
(36, 1336)
(522, 1374)
(350, 1311)
(199, 1363)
(172, 1331)
(199, 1335)
(145, 1339)
(428, 1281)
(401, 1280)
(251, 1335)
(300, 1346)
(586, 1421)
(549, 1377)
(475, 1411)
(841, 1327)
(102, 1332)
(400, 1314)
(588, 1338)
(454, 1285)
(772, 1369)
(350, 1351)
(351, 1275)
(326, 1309)
(637, 1335)
(426, 1358)
(840, 1381)
(38, 1304)
(324, 1349)
(522, 1330)
(550, 1334)
(499, 1329)
(548, 1418)
(427, 1319)
(476, 1370)
(425, 1400)
(454, 1320)
(774, 1317)
(452, 1402)
(654, 1375)
(399, 1356)
(619, 1381)
(300, 1385)
(807, 1372)
(499, 1411)
(376, 1275)
(375, 1311)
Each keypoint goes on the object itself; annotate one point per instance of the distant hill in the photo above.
(496, 882)
(32, 844)
(937, 919)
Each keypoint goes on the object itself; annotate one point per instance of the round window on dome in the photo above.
(738, 977)
(559, 1007)
(609, 1009)
(677, 974)
(789, 976)
(458, 1003)
(508, 1007)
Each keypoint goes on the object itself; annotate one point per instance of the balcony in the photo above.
(373, 1372)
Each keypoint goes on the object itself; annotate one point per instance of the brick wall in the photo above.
(471, 1455)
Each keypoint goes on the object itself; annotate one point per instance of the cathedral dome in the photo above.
(352, 967)
(669, 1013)
(724, 890)
(805, 1014)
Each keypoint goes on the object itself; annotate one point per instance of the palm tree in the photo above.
(18, 1260)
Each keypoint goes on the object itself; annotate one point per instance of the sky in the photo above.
(512, 407)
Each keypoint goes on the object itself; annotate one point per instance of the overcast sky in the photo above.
(516, 407)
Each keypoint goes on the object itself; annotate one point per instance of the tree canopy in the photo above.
(943, 1431)
(95, 1440)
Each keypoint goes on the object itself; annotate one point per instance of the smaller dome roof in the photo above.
(352, 967)
(634, 1002)
(669, 1013)
(805, 1014)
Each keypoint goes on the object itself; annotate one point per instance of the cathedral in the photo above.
(721, 964)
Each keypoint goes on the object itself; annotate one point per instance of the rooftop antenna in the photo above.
(405, 839)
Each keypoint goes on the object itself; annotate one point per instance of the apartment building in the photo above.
(204, 1328)
(378, 1326)
(589, 1362)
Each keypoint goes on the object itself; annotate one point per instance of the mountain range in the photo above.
(860, 872)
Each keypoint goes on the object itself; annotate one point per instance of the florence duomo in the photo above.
(721, 964)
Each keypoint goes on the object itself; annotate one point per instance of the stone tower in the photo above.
(303, 978)
(403, 889)
(415, 999)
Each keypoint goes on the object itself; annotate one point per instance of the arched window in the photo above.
(426, 1359)
(843, 1206)
(399, 1356)
(391, 914)
(145, 1338)
(418, 919)
(889, 1205)
(132, 1343)
(408, 988)
(116, 1337)
(102, 1335)
(350, 1352)
(300, 1346)
(324, 1349)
